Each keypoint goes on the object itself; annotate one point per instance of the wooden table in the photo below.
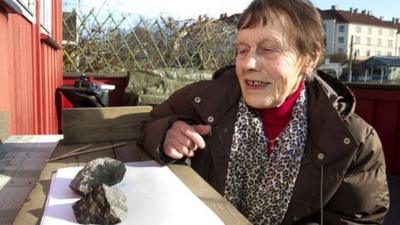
(32, 209)
(107, 126)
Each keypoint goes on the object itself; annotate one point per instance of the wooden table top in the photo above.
(32, 209)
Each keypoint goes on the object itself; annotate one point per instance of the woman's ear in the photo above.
(311, 62)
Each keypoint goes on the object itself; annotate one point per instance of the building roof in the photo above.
(355, 17)
(383, 60)
(365, 17)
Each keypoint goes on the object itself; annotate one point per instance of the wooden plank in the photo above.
(396, 169)
(75, 75)
(89, 125)
(3, 126)
(365, 109)
(377, 94)
(385, 122)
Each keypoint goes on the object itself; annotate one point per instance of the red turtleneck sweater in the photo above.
(276, 119)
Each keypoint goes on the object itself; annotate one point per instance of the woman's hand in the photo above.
(183, 139)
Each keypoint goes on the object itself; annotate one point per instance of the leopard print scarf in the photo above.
(258, 184)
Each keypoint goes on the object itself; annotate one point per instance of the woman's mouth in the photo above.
(256, 84)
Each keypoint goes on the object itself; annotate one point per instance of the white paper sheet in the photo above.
(155, 196)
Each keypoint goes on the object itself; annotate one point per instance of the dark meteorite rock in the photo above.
(104, 205)
(99, 171)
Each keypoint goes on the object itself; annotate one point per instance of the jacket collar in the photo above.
(329, 141)
(329, 137)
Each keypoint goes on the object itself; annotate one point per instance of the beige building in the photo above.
(367, 34)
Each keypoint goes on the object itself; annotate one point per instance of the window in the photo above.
(28, 8)
(340, 50)
(29, 5)
(356, 40)
(379, 42)
(368, 41)
(356, 52)
(341, 40)
(341, 28)
(380, 31)
(45, 16)
(391, 33)
(358, 29)
(389, 54)
(369, 30)
(390, 43)
(378, 53)
(368, 52)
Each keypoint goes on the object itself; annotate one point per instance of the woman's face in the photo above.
(267, 65)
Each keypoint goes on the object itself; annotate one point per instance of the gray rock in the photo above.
(96, 172)
(104, 205)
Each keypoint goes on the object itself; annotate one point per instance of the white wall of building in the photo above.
(368, 40)
(342, 39)
(330, 35)
(374, 40)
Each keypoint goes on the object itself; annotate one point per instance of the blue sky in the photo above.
(192, 8)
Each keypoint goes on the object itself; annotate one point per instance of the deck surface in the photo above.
(22, 159)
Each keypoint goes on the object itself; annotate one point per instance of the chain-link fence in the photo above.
(104, 42)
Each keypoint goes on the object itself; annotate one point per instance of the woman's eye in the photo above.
(241, 51)
(269, 49)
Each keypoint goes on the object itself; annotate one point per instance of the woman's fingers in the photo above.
(172, 152)
(194, 132)
(176, 150)
(183, 139)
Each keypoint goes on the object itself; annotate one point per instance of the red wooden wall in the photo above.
(379, 105)
(30, 71)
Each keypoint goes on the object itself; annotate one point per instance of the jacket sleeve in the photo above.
(365, 182)
(153, 137)
(161, 119)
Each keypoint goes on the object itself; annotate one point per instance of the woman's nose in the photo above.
(251, 63)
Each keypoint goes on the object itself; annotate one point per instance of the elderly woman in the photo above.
(277, 139)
